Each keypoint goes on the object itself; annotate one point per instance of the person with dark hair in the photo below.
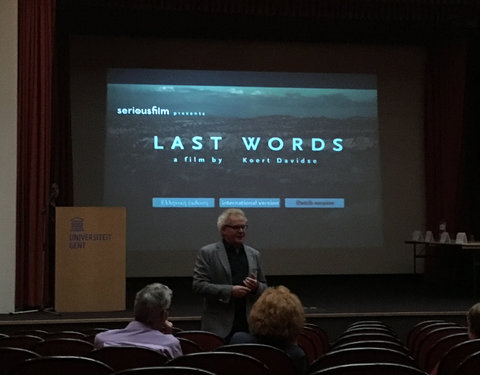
(229, 276)
(276, 319)
(150, 328)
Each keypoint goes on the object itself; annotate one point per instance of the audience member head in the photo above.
(152, 304)
(277, 315)
(232, 224)
(473, 321)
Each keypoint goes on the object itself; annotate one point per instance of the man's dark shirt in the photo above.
(239, 269)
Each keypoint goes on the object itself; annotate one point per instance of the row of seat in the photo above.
(70, 343)
(432, 345)
(366, 347)
(443, 348)
(119, 358)
(313, 340)
(354, 346)
(17, 336)
(217, 362)
(359, 345)
(228, 359)
(73, 365)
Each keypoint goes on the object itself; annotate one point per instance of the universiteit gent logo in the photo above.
(79, 237)
(76, 224)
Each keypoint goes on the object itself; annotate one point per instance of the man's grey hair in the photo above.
(150, 299)
(224, 217)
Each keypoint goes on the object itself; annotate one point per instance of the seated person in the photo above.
(473, 321)
(150, 328)
(276, 319)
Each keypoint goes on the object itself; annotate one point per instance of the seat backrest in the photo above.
(61, 365)
(189, 346)
(370, 329)
(63, 346)
(65, 335)
(470, 365)
(20, 341)
(455, 355)
(321, 332)
(368, 323)
(276, 360)
(223, 363)
(371, 369)
(412, 334)
(206, 340)
(351, 337)
(321, 347)
(34, 332)
(308, 346)
(123, 357)
(375, 344)
(430, 339)
(164, 370)
(10, 357)
(424, 331)
(361, 355)
(438, 349)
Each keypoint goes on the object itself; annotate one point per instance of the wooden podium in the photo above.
(90, 259)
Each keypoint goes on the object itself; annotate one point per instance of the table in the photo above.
(421, 250)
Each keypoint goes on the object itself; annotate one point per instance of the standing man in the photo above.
(228, 274)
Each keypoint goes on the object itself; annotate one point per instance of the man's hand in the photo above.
(251, 283)
(167, 328)
(240, 291)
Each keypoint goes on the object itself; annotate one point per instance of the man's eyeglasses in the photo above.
(238, 227)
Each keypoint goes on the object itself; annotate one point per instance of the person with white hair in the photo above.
(150, 328)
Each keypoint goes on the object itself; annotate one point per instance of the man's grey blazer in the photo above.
(212, 279)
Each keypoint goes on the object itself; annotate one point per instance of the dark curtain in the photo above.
(445, 82)
(44, 148)
(470, 208)
(35, 73)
